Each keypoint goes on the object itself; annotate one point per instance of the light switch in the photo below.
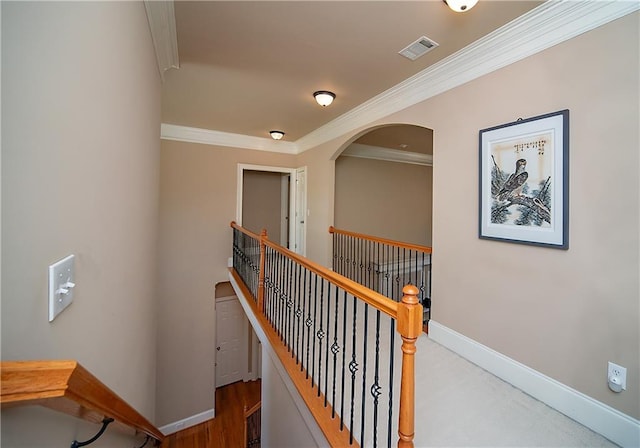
(61, 285)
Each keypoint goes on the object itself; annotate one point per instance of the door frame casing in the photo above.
(242, 167)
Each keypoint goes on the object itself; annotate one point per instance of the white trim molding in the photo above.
(601, 418)
(162, 23)
(218, 138)
(188, 422)
(549, 24)
(388, 155)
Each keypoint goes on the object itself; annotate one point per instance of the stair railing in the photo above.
(383, 265)
(66, 386)
(336, 339)
(252, 430)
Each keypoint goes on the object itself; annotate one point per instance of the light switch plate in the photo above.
(61, 285)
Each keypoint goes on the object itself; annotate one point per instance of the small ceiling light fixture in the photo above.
(276, 135)
(324, 97)
(460, 5)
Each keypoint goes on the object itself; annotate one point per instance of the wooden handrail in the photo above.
(67, 387)
(376, 239)
(252, 410)
(408, 314)
(367, 295)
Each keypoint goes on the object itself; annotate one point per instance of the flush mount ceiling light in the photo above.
(324, 97)
(276, 135)
(460, 5)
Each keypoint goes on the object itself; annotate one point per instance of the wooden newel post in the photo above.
(409, 327)
(263, 238)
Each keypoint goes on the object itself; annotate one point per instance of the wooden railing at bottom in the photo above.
(252, 428)
(68, 387)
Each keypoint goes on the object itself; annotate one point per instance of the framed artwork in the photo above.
(524, 181)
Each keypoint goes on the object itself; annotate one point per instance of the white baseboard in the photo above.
(188, 422)
(599, 417)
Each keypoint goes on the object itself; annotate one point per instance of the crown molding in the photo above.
(387, 154)
(551, 23)
(218, 138)
(547, 25)
(162, 23)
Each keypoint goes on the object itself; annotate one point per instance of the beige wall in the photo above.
(80, 152)
(563, 313)
(197, 203)
(261, 202)
(386, 199)
(283, 425)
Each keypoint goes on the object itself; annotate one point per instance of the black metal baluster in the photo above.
(346, 256)
(272, 287)
(335, 348)
(279, 294)
(265, 298)
(417, 269)
(340, 254)
(334, 244)
(368, 265)
(298, 311)
(353, 367)
(379, 284)
(308, 320)
(289, 305)
(315, 313)
(375, 388)
(387, 274)
(356, 256)
(272, 291)
(283, 299)
(364, 371)
(326, 362)
(352, 254)
(283, 307)
(320, 335)
(344, 356)
(398, 288)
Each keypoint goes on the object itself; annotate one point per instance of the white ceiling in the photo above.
(247, 67)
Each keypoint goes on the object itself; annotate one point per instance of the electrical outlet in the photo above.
(620, 372)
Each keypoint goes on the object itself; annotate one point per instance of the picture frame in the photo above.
(524, 181)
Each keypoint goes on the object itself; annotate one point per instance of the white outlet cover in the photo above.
(618, 371)
(61, 277)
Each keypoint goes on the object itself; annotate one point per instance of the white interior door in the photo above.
(231, 331)
(301, 212)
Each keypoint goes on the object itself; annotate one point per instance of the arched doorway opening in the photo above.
(383, 184)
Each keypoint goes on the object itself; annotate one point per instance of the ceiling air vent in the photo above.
(416, 49)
